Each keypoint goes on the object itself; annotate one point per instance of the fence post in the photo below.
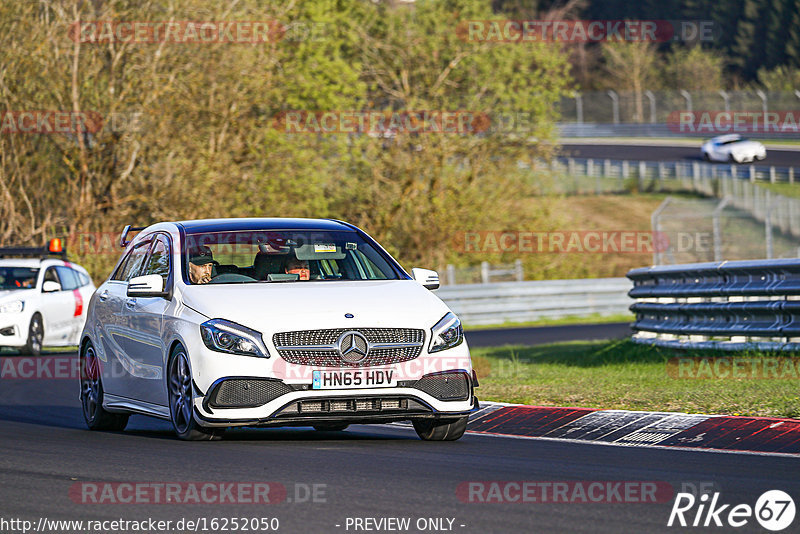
(451, 274)
(614, 105)
(772, 176)
(518, 270)
(485, 272)
(642, 175)
(718, 229)
(768, 227)
(791, 175)
(623, 174)
(655, 220)
(695, 175)
(752, 174)
(650, 96)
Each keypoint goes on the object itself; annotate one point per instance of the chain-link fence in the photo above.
(701, 230)
(655, 113)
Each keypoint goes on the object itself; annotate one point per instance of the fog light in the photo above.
(7, 331)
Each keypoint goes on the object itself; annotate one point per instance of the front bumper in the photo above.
(305, 407)
(11, 333)
(210, 368)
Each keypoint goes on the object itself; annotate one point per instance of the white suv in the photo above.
(42, 301)
(271, 322)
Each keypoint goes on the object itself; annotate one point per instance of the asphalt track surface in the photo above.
(778, 158)
(546, 334)
(367, 471)
(378, 471)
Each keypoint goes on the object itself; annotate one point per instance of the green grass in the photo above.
(623, 375)
(785, 189)
(572, 319)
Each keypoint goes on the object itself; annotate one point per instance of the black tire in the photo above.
(35, 336)
(731, 159)
(331, 427)
(706, 157)
(181, 401)
(96, 417)
(437, 430)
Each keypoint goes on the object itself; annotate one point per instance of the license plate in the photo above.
(381, 378)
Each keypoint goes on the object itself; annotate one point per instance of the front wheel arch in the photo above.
(191, 430)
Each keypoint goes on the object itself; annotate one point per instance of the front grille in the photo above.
(318, 347)
(445, 386)
(330, 335)
(345, 405)
(246, 392)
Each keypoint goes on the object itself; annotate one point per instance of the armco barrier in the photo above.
(478, 304)
(732, 305)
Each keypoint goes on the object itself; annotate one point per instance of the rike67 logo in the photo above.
(774, 510)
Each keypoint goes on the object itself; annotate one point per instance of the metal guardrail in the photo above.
(660, 130)
(673, 170)
(483, 304)
(730, 305)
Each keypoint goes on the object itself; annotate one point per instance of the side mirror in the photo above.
(50, 286)
(426, 277)
(151, 285)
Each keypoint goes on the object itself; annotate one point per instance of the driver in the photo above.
(298, 267)
(201, 262)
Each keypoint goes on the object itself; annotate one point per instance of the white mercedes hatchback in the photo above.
(271, 322)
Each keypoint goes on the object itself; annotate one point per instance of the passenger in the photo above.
(25, 283)
(201, 263)
(298, 267)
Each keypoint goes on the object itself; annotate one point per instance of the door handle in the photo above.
(103, 296)
(130, 303)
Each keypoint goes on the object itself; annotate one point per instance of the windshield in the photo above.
(730, 141)
(282, 256)
(18, 277)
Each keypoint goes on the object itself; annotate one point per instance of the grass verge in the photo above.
(626, 376)
(572, 319)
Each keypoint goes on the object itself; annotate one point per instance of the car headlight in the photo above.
(15, 306)
(447, 333)
(224, 336)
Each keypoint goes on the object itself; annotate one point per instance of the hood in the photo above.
(12, 294)
(280, 307)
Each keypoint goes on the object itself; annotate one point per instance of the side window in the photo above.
(68, 279)
(159, 258)
(83, 280)
(131, 265)
(51, 276)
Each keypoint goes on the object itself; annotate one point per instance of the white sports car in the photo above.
(42, 301)
(271, 322)
(733, 148)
